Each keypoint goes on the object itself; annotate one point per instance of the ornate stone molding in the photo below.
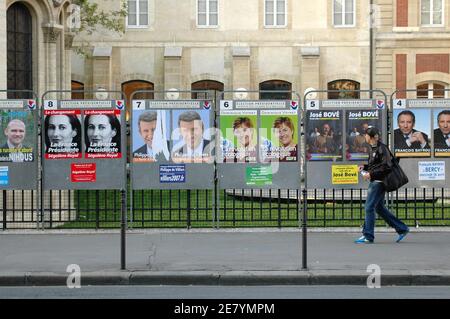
(57, 3)
(68, 40)
(52, 32)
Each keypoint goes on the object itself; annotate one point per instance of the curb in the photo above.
(230, 278)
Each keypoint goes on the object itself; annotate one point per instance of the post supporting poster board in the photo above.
(334, 140)
(18, 144)
(421, 139)
(259, 144)
(172, 144)
(84, 144)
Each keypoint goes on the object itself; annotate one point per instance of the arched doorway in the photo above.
(343, 85)
(19, 46)
(77, 86)
(275, 85)
(206, 85)
(137, 85)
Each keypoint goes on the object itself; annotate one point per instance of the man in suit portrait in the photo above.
(442, 133)
(406, 137)
(13, 149)
(194, 146)
(147, 127)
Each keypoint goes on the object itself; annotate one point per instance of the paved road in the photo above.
(226, 292)
(264, 251)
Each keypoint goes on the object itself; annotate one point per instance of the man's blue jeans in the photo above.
(375, 203)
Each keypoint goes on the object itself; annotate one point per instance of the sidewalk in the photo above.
(223, 258)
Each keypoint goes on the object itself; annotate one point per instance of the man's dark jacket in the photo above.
(379, 166)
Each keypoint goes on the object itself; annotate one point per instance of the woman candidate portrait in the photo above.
(245, 150)
(284, 130)
(102, 132)
(62, 133)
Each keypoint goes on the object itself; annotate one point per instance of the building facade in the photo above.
(232, 44)
(413, 47)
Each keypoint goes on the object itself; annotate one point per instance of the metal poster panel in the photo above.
(421, 129)
(335, 142)
(259, 144)
(18, 145)
(172, 144)
(84, 144)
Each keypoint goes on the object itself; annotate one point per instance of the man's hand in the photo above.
(366, 176)
(417, 136)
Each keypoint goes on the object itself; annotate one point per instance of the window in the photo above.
(431, 12)
(207, 85)
(137, 13)
(344, 13)
(344, 85)
(19, 47)
(431, 91)
(275, 13)
(207, 13)
(275, 85)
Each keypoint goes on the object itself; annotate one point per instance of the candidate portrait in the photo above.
(442, 133)
(193, 146)
(406, 137)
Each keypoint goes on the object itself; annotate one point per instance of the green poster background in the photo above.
(26, 117)
(266, 130)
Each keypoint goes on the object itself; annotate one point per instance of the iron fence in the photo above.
(100, 209)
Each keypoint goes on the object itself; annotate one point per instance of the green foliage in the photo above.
(92, 18)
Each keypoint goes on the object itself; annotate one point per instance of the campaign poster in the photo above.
(412, 131)
(62, 132)
(279, 136)
(324, 129)
(151, 134)
(102, 134)
(238, 136)
(18, 135)
(191, 137)
(441, 126)
(357, 123)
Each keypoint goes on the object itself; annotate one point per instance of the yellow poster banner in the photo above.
(344, 174)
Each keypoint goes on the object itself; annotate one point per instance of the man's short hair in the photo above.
(407, 112)
(15, 121)
(148, 116)
(189, 116)
(444, 112)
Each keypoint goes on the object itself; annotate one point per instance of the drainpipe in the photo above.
(371, 48)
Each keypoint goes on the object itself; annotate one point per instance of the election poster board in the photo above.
(335, 140)
(259, 144)
(420, 138)
(18, 144)
(172, 144)
(84, 144)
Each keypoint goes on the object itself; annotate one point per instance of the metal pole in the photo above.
(188, 208)
(4, 209)
(123, 229)
(304, 231)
